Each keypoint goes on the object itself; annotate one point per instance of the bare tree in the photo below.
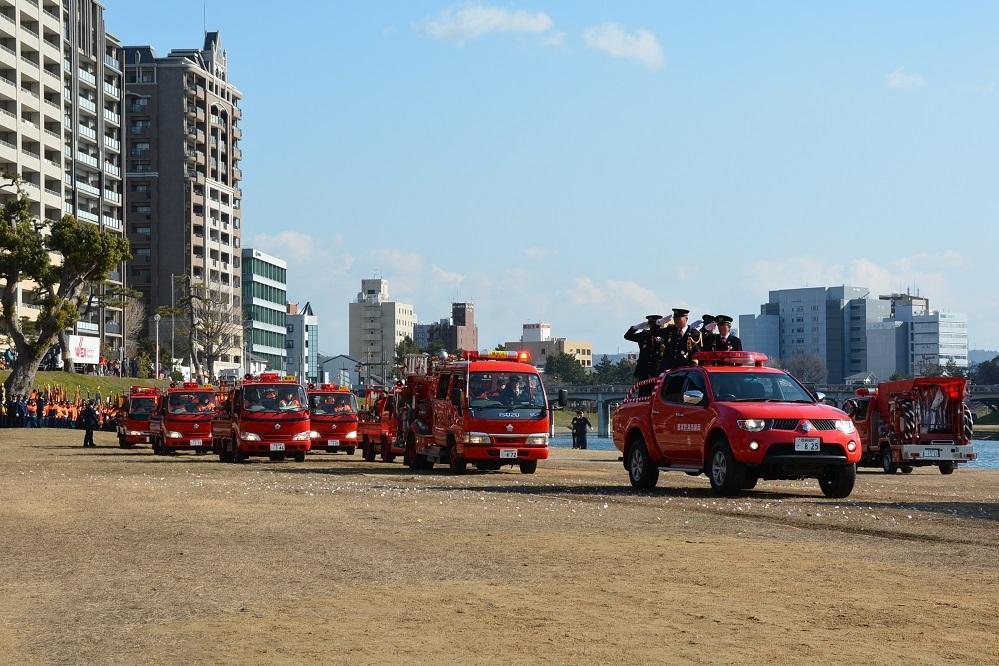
(807, 368)
(135, 315)
(211, 324)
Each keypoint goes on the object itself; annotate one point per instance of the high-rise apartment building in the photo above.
(60, 126)
(183, 141)
(265, 299)
(302, 344)
(377, 325)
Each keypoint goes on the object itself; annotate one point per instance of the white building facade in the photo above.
(302, 344)
(377, 325)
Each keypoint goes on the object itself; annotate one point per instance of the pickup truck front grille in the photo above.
(823, 424)
(784, 424)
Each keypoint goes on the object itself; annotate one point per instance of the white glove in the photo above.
(642, 326)
(665, 321)
(711, 328)
(697, 324)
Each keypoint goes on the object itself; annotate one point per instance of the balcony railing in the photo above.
(112, 90)
(89, 160)
(112, 62)
(111, 143)
(112, 222)
(88, 77)
(88, 132)
(88, 105)
(112, 117)
(112, 196)
(88, 216)
(88, 188)
(112, 169)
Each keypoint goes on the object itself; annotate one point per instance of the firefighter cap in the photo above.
(680, 312)
(653, 318)
(708, 319)
(724, 319)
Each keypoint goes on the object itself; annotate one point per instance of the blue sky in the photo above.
(587, 163)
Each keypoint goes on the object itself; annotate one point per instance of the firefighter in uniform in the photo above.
(708, 333)
(649, 337)
(681, 342)
(724, 341)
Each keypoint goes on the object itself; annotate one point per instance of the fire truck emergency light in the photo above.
(731, 358)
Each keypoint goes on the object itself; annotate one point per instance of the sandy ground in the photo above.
(115, 556)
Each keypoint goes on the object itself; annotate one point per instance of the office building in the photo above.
(536, 339)
(183, 154)
(302, 344)
(60, 128)
(265, 300)
(459, 333)
(377, 325)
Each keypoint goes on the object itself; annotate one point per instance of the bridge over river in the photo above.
(606, 398)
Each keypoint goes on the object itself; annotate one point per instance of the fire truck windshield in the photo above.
(758, 387)
(326, 404)
(140, 408)
(202, 402)
(504, 391)
(274, 398)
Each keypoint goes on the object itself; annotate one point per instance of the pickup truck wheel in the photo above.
(529, 467)
(725, 472)
(368, 450)
(750, 481)
(887, 464)
(947, 467)
(387, 455)
(906, 469)
(456, 462)
(642, 472)
(838, 482)
(299, 457)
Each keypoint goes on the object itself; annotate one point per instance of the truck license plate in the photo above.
(808, 444)
(508, 453)
(277, 446)
(931, 453)
(196, 442)
(333, 442)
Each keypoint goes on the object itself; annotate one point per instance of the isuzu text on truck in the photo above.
(737, 421)
(133, 418)
(333, 412)
(182, 419)
(267, 415)
(917, 422)
(488, 409)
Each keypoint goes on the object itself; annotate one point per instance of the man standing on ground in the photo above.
(580, 425)
(90, 421)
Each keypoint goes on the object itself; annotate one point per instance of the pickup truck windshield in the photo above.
(274, 398)
(505, 391)
(758, 387)
(201, 402)
(332, 404)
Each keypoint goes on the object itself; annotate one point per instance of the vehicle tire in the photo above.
(299, 457)
(530, 467)
(456, 462)
(225, 455)
(409, 458)
(349, 450)
(387, 455)
(750, 481)
(368, 450)
(887, 464)
(839, 482)
(725, 472)
(906, 469)
(642, 472)
(947, 467)
(239, 458)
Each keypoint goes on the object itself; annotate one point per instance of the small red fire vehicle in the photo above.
(266, 415)
(737, 421)
(378, 424)
(333, 412)
(182, 419)
(917, 422)
(133, 417)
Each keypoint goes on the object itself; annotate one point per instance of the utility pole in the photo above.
(173, 316)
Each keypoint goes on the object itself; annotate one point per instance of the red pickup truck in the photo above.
(737, 421)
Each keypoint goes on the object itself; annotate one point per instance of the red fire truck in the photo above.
(133, 417)
(488, 409)
(182, 419)
(378, 424)
(333, 412)
(917, 422)
(266, 415)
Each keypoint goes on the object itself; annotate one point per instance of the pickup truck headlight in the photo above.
(299, 436)
(351, 435)
(313, 435)
(478, 438)
(250, 437)
(845, 427)
(538, 440)
(752, 425)
(173, 434)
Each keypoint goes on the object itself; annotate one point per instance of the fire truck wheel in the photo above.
(838, 482)
(906, 469)
(947, 467)
(887, 464)
(643, 473)
(349, 450)
(456, 463)
(368, 451)
(387, 455)
(725, 472)
(299, 457)
(530, 467)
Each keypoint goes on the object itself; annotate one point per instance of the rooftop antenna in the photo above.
(204, 17)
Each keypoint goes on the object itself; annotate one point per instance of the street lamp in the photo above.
(156, 318)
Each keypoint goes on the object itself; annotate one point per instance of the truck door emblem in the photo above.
(277, 426)
(509, 427)
(806, 426)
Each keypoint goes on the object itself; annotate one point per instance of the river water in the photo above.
(988, 452)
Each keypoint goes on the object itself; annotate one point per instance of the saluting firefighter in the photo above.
(708, 331)
(725, 341)
(681, 341)
(649, 337)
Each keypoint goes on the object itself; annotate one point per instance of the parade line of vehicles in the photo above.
(729, 416)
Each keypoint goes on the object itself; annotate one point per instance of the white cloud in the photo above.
(446, 276)
(902, 80)
(300, 249)
(640, 46)
(535, 253)
(468, 22)
(554, 40)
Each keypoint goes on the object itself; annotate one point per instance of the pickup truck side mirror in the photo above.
(693, 397)
(820, 396)
(563, 397)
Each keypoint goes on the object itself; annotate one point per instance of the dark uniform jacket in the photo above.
(650, 351)
(680, 347)
(580, 424)
(708, 340)
(731, 343)
(89, 418)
